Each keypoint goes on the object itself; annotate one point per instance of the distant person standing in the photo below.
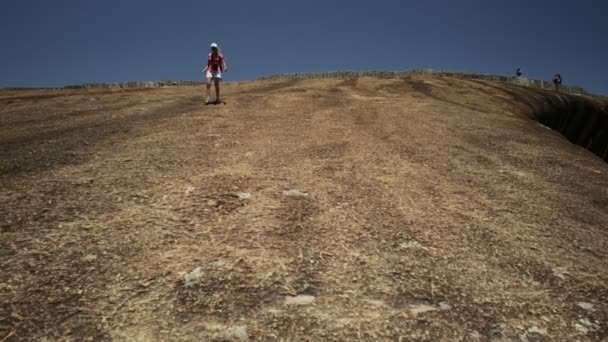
(518, 72)
(215, 66)
(557, 81)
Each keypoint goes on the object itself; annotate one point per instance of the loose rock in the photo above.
(412, 244)
(90, 257)
(237, 333)
(586, 306)
(421, 308)
(443, 306)
(585, 326)
(295, 193)
(189, 190)
(560, 272)
(193, 277)
(243, 195)
(299, 300)
(534, 330)
(218, 263)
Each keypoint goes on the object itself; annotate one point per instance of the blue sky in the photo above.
(53, 43)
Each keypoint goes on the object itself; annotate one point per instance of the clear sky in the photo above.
(54, 43)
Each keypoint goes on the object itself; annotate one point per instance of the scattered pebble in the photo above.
(295, 193)
(412, 244)
(504, 332)
(443, 306)
(189, 190)
(236, 333)
(249, 154)
(560, 272)
(475, 335)
(585, 326)
(192, 278)
(299, 300)
(218, 263)
(375, 302)
(212, 203)
(243, 195)
(534, 330)
(90, 257)
(586, 306)
(421, 308)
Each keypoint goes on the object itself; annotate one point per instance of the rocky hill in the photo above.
(366, 209)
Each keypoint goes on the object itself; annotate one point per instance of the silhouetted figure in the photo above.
(557, 81)
(518, 73)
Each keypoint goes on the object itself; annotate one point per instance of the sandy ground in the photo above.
(422, 209)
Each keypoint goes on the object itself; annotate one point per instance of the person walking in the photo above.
(557, 81)
(216, 64)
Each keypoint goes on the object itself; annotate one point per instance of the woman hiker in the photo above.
(215, 66)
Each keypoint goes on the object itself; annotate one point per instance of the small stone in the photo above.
(443, 306)
(534, 330)
(586, 306)
(189, 190)
(475, 335)
(585, 326)
(218, 263)
(421, 308)
(192, 278)
(375, 302)
(243, 195)
(560, 272)
(249, 154)
(581, 329)
(412, 244)
(295, 193)
(236, 333)
(212, 203)
(299, 300)
(90, 257)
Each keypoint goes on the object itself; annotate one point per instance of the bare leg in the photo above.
(217, 90)
(208, 88)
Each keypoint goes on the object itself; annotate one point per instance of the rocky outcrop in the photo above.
(582, 120)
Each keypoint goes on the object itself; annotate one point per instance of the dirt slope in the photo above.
(322, 210)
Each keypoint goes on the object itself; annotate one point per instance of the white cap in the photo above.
(214, 45)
